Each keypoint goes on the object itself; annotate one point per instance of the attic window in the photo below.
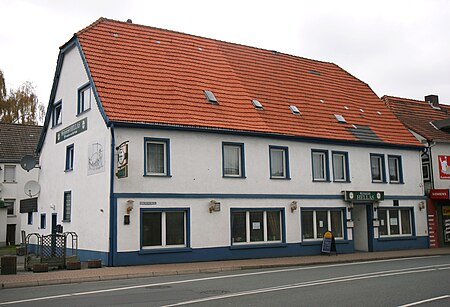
(211, 98)
(257, 104)
(294, 109)
(378, 112)
(321, 100)
(340, 118)
(315, 72)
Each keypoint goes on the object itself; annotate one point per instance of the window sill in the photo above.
(396, 182)
(280, 178)
(65, 221)
(319, 242)
(262, 245)
(379, 182)
(56, 126)
(342, 181)
(83, 112)
(68, 170)
(234, 177)
(157, 176)
(10, 182)
(317, 180)
(395, 238)
(164, 250)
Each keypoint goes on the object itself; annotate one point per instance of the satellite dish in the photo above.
(32, 188)
(28, 162)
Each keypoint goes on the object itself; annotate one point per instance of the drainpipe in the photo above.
(112, 205)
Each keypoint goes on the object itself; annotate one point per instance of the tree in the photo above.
(19, 106)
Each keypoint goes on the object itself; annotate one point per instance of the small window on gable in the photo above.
(211, 98)
(84, 98)
(257, 104)
(57, 114)
(294, 109)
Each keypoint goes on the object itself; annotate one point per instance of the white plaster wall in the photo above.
(90, 194)
(15, 190)
(196, 166)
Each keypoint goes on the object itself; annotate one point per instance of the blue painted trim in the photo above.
(346, 168)
(383, 167)
(241, 146)
(252, 245)
(370, 228)
(256, 196)
(85, 255)
(319, 242)
(79, 91)
(167, 153)
(112, 204)
(166, 249)
(326, 165)
(306, 139)
(400, 169)
(399, 244)
(287, 173)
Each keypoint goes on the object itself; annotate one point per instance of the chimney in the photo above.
(129, 21)
(433, 100)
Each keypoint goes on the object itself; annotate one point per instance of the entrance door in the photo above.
(362, 228)
(11, 234)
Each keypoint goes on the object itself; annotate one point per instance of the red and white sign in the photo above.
(439, 194)
(444, 167)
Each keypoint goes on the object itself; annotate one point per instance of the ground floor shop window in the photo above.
(395, 222)
(163, 229)
(316, 222)
(256, 226)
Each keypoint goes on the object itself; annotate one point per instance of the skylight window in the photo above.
(257, 104)
(294, 109)
(340, 118)
(322, 101)
(315, 72)
(211, 98)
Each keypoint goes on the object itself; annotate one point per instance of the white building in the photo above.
(16, 141)
(164, 147)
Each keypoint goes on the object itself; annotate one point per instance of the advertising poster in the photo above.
(444, 167)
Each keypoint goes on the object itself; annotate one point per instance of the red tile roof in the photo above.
(417, 115)
(149, 75)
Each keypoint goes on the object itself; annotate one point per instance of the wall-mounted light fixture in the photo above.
(293, 206)
(129, 204)
(214, 206)
(421, 205)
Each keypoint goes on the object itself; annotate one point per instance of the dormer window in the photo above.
(210, 97)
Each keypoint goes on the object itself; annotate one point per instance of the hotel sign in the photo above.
(71, 130)
(363, 196)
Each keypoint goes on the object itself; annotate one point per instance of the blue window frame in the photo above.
(320, 165)
(279, 162)
(378, 168)
(395, 169)
(396, 221)
(341, 168)
(257, 226)
(157, 157)
(69, 157)
(84, 98)
(67, 207)
(57, 114)
(43, 220)
(316, 221)
(233, 160)
(167, 229)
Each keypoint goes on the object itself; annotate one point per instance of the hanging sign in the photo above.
(363, 196)
(444, 167)
(328, 243)
(122, 160)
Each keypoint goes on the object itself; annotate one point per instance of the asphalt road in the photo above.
(422, 281)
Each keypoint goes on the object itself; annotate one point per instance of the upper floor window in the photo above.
(157, 157)
(69, 157)
(67, 206)
(395, 169)
(164, 228)
(316, 222)
(9, 204)
(426, 171)
(394, 222)
(256, 226)
(233, 160)
(43, 221)
(340, 166)
(84, 98)
(30, 218)
(57, 114)
(320, 165)
(9, 173)
(377, 167)
(279, 162)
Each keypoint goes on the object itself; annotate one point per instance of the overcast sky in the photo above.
(400, 48)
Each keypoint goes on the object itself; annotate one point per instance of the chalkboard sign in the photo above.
(328, 243)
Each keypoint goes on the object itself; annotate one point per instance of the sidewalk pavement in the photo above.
(30, 279)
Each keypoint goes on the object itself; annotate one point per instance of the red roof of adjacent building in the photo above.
(418, 116)
(149, 75)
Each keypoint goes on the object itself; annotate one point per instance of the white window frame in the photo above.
(344, 158)
(57, 116)
(9, 174)
(84, 98)
(324, 161)
(164, 230)
(165, 144)
(388, 222)
(240, 148)
(264, 226)
(329, 226)
(284, 162)
(379, 158)
(398, 171)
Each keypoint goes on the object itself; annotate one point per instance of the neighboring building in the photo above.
(160, 146)
(429, 121)
(16, 141)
